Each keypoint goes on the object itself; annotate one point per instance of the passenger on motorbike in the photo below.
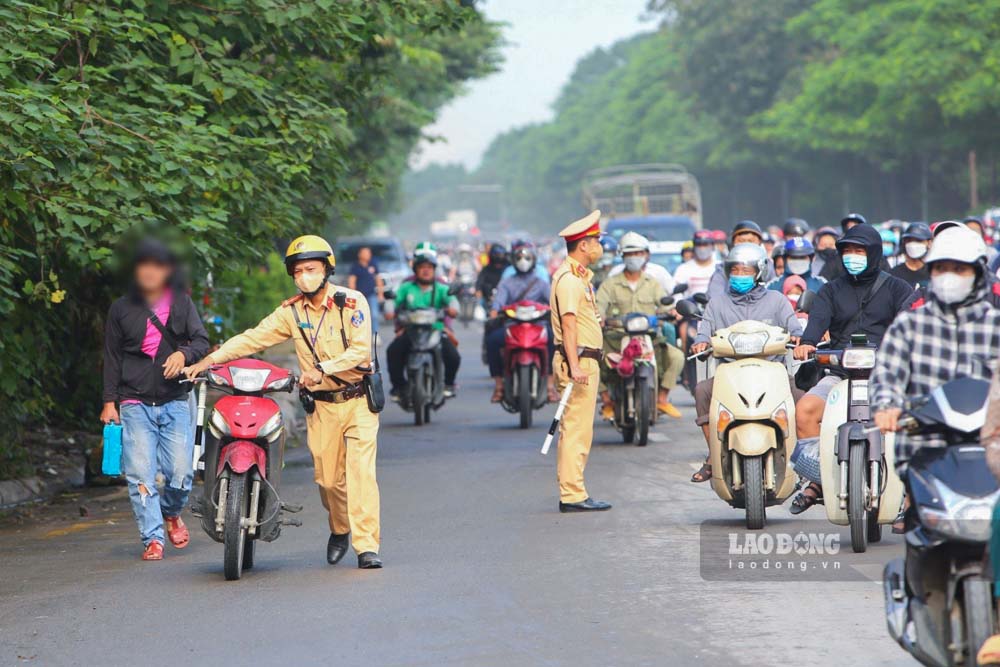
(465, 269)
(826, 263)
(423, 291)
(491, 274)
(778, 257)
(539, 270)
(799, 255)
(636, 291)
(916, 241)
(746, 298)
(697, 272)
(745, 231)
(865, 300)
(524, 285)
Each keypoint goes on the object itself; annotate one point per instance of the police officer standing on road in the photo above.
(331, 328)
(577, 329)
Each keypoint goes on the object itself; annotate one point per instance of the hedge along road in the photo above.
(481, 569)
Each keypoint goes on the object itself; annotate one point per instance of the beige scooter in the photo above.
(751, 420)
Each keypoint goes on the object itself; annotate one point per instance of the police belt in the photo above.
(583, 353)
(339, 395)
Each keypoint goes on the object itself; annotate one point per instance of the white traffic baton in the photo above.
(555, 420)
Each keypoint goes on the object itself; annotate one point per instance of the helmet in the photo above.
(718, 235)
(633, 242)
(464, 248)
(497, 251)
(799, 246)
(888, 236)
(975, 220)
(425, 257)
(795, 227)
(852, 217)
(747, 254)
(703, 237)
(746, 226)
(779, 251)
(938, 227)
(959, 244)
(687, 245)
(309, 247)
(826, 231)
(609, 243)
(918, 231)
(425, 248)
(526, 251)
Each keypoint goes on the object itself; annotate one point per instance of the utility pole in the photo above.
(973, 182)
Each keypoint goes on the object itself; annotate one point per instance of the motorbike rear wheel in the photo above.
(977, 610)
(643, 410)
(525, 402)
(857, 493)
(234, 534)
(753, 490)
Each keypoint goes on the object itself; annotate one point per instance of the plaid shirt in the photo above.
(927, 347)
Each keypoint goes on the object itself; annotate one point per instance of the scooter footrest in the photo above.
(291, 522)
(289, 507)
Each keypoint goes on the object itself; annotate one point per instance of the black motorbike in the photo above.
(424, 363)
(467, 302)
(939, 601)
(692, 311)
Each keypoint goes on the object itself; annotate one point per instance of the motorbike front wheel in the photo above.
(234, 533)
(525, 401)
(643, 410)
(418, 399)
(857, 495)
(977, 607)
(753, 490)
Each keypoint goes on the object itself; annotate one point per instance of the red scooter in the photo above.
(244, 451)
(526, 359)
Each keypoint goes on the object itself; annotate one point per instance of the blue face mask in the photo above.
(855, 264)
(741, 284)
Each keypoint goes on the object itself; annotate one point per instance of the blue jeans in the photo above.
(372, 300)
(157, 439)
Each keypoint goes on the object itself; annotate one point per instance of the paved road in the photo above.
(481, 569)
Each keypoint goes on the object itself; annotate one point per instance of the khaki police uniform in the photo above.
(573, 293)
(616, 298)
(342, 435)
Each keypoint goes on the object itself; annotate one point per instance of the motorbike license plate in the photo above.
(859, 392)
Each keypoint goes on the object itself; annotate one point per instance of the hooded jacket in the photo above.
(759, 304)
(813, 283)
(839, 300)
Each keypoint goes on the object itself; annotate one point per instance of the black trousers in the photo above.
(400, 347)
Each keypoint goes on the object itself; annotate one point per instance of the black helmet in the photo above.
(795, 227)
(852, 217)
(918, 231)
(746, 226)
(498, 251)
(779, 251)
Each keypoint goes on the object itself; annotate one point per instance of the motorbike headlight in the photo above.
(218, 424)
(424, 317)
(749, 343)
(962, 518)
(271, 427)
(279, 385)
(858, 358)
(248, 379)
(637, 324)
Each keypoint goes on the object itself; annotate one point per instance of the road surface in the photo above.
(481, 569)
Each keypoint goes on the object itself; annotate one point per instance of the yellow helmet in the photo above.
(308, 247)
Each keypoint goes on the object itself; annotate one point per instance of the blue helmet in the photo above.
(609, 244)
(799, 246)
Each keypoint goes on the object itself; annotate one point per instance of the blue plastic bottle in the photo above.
(111, 464)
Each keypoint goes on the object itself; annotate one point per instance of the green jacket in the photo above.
(412, 296)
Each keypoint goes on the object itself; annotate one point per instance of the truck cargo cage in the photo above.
(643, 189)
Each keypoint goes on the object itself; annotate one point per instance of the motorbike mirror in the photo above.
(701, 298)
(687, 309)
(389, 295)
(806, 301)
(679, 288)
(666, 301)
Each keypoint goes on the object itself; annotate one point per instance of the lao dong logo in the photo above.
(784, 544)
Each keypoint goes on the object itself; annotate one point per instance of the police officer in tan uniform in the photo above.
(335, 322)
(577, 329)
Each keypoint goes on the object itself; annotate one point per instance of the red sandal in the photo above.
(177, 531)
(154, 551)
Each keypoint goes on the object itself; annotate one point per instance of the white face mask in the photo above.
(309, 281)
(523, 265)
(794, 298)
(951, 287)
(703, 252)
(797, 266)
(916, 250)
(634, 264)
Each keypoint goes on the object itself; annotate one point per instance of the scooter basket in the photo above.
(805, 459)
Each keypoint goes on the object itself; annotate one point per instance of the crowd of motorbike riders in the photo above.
(924, 297)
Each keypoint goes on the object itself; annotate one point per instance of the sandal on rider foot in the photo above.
(808, 497)
(497, 395)
(704, 473)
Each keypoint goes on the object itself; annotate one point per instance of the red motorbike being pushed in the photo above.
(243, 458)
(526, 359)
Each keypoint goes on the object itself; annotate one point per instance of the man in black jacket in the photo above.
(866, 299)
(150, 335)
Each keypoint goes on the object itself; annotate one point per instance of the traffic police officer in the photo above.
(577, 329)
(331, 329)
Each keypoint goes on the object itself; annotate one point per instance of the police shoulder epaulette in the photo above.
(288, 302)
(579, 270)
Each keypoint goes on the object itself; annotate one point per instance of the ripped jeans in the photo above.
(157, 439)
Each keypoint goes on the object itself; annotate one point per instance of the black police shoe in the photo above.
(369, 560)
(588, 505)
(336, 547)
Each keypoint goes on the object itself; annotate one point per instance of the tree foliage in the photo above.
(231, 122)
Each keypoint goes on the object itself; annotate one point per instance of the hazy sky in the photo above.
(545, 39)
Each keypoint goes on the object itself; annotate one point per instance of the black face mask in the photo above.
(827, 253)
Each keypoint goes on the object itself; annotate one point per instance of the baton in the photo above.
(555, 420)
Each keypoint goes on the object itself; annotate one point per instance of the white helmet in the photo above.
(747, 254)
(959, 244)
(633, 242)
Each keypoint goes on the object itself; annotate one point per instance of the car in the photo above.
(667, 254)
(388, 253)
(656, 228)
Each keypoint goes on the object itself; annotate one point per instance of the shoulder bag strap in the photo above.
(534, 281)
(164, 331)
(312, 350)
(880, 280)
